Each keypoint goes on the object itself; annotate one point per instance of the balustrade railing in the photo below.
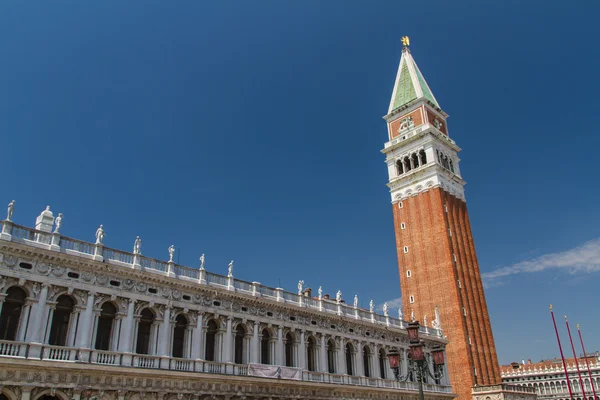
(117, 255)
(152, 263)
(106, 357)
(12, 349)
(192, 273)
(214, 279)
(58, 353)
(77, 245)
(111, 358)
(146, 361)
(22, 233)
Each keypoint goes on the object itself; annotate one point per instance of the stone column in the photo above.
(127, 336)
(341, 357)
(376, 365)
(302, 352)
(84, 336)
(26, 392)
(255, 353)
(35, 335)
(323, 357)
(360, 370)
(198, 340)
(228, 344)
(165, 333)
(280, 352)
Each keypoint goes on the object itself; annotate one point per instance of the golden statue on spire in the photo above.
(405, 41)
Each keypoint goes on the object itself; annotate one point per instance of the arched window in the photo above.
(181, 324)
(59, 330)
(105, 326)
(423, 157)
(415, 160)
(289, 350)
(451, 166)
(407, 166)
(240, 333)
(349, 359)
(399, 167)
(144, 331)
(331, 356)
(11, 313)
(265, 351)
(382, 363)
(367, 361)
(311, 349)
(211, 340)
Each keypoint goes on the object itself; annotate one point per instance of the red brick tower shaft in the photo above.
(436, 253)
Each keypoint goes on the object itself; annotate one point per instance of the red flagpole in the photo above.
(576, 361)
(587, 363)
(561, 354)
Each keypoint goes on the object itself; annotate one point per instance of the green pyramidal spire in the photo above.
(410, 84)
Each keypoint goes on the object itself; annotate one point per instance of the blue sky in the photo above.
(252, 131)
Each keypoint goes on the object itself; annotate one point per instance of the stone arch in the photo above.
(59, 394)
(10, 395)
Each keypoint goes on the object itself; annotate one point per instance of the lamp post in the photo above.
(418, 361)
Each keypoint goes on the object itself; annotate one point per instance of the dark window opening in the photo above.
(25, 265)
(211, 339)
(11, 313)
(240, 333)
(331, 357)
(289, 350)
(382, 364)
(144, 330)
(366, 361)
(108, 313)
(152, 290)
(423, 157)
(311, 348)
(181, 324)
(59, 329)
(265, 353)
(349, 355)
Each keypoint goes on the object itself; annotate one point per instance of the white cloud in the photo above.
(392, 304)
(581, 259)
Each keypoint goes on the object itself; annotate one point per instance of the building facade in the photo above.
(82, 321)
(439, 272)
(548, 378)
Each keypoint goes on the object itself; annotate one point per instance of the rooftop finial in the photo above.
(405, 42)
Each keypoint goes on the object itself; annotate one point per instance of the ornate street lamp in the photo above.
(418, 361)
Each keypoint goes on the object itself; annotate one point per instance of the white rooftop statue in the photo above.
(58, 222)
(371, 306)
(412, 316)
(355, 301)
(171, 252)
(300, 284)
(338, 296)
(385, 309)
(11, 208)
(137, 246)
(425, 320)
(320, 292)
(400, 315)
(202, 261)
(100, 235)
(230, 269)
(436, 322)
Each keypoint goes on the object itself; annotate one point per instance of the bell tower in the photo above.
(436, 253)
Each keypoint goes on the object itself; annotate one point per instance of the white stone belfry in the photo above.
(45, 221)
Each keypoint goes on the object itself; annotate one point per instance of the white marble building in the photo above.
(81, 321)
(547, 378)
